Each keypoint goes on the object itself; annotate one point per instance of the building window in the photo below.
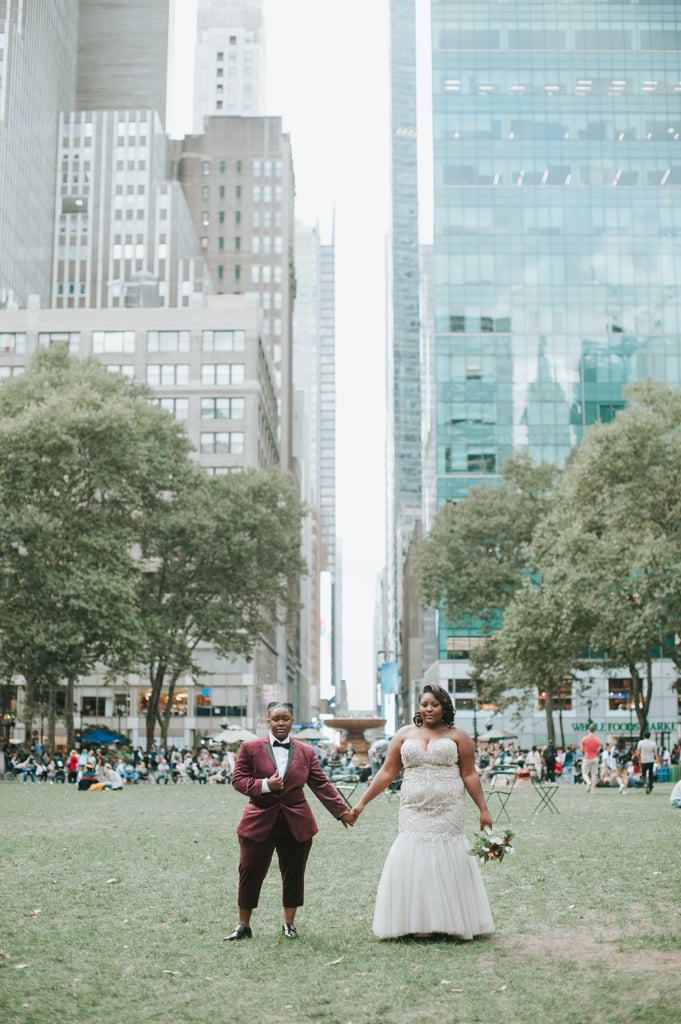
(482, 463)
(167, 341)
(69, 338)
(205, 167)
(222, 373)
(113, 341)
(222, 442)
(124, 369)
(74, 204)
(93, 707)
(562, 697)
(177, 407)
(223, 341)
(222, 408)
(620, 697)
(167, 375)
(10, 342)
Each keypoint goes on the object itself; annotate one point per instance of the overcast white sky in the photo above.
(328, 78)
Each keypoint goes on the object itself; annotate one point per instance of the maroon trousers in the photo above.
(255, 859)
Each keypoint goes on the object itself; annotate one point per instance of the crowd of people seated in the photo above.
(107, 768)
(618, 765)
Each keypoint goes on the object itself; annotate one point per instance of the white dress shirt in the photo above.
(280, 756)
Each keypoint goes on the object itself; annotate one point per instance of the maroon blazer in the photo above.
(256, 762)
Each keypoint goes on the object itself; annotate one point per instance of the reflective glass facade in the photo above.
(557, 222)
(403, 460)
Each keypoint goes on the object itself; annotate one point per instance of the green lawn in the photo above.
(115, 906)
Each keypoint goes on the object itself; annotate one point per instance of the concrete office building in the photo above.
(123, 55)
(237, 178)
(229, 60)
(123, 234)
(33, 35)
(206, 365)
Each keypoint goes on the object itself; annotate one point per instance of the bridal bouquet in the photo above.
(492, 846)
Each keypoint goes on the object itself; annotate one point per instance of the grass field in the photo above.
(115, 906)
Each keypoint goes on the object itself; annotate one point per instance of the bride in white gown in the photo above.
(430, 884)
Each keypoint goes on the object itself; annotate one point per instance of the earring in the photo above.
(418, 719)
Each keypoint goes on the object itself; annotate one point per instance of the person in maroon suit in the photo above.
(272, 772)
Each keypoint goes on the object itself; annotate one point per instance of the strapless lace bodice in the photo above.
(442, 751)
(432, 794)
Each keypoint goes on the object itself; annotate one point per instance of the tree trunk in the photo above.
(27, 713)
(69, 716)
(52, 716)
(641, 699)
(156, 678)
(164, 718)
(548, 708)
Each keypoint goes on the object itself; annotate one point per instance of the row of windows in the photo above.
(211, 408)
(526, 81)
(651, 173)
(212, 374)
(568, 126)
(654, 36)
(222, 442)
(124, 341)
(259, 168)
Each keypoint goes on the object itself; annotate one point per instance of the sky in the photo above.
(327, 76)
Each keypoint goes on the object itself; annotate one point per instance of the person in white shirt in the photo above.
(111, 778)
(648, 758)
(675, 798)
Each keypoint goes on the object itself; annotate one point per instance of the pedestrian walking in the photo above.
(648, 758)
(591, 747)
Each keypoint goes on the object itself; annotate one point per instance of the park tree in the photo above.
(84, 459)
(222, 568)
(480, 549)
(479, 553)
(536, 647)
(611, 546)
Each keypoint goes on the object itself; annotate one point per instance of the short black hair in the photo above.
(279, 704)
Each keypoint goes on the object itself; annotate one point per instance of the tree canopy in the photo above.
(222, 568)
(115, 548)
(583, 566)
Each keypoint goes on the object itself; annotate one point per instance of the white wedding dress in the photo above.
(430, 883)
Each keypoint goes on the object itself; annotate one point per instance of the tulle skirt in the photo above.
(431, 887)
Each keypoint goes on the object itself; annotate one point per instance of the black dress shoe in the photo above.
(242, 931)
(288, 931)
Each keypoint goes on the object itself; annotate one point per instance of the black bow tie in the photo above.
(286, 746)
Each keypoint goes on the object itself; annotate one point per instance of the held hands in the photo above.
(350, 817)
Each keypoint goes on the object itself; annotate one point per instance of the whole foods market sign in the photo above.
(625, 726)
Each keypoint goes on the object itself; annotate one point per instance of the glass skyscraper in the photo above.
(557, 222)
(403, 458)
